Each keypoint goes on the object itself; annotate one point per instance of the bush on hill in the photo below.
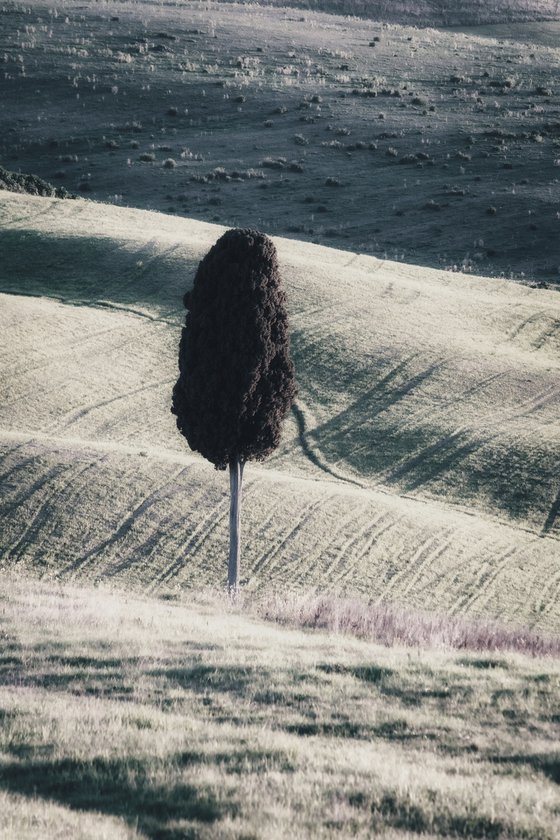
(32, 184)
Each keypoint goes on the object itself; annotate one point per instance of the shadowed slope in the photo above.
(430, 12)
(430, 147)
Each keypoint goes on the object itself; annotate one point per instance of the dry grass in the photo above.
(136, 718)
(387, 624)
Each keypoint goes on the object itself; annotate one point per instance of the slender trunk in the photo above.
(235, 479)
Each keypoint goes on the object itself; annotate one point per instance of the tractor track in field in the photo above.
(428, 550)
(311, 453)
(305, 516)
(42, 516)
(83, 412)
(126, 525)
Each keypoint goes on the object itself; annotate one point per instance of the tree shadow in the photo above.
(420, 456)
(552, 516)
(123, 787)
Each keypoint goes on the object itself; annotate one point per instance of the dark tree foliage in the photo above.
(236, 379)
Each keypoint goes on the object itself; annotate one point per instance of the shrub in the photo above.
(274, 163)
(31, 184)
(392, 625)
(169, 163)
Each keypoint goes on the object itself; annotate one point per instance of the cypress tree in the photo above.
(236, 379)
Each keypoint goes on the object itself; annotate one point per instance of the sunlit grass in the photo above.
(128, 717)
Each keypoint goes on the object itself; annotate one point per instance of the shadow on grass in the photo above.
(414, 457)
(246, 761)
(90, 675)
(229, 679)
(546, 763)
(399, 811)
(394, 685)
(397, 730)
(126, 788)
(484, 664)
(89, 268)
(369, 673)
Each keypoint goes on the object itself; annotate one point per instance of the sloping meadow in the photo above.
(419, 466)
(133, 717)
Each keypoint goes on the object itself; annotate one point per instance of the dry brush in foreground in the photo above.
(389, 624)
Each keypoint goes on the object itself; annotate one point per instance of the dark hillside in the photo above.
(431, 12)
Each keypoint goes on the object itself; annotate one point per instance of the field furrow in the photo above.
(158, 523)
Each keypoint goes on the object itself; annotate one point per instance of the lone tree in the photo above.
(236, 379)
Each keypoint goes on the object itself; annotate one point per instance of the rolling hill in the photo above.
(420, 464)
(390, 667)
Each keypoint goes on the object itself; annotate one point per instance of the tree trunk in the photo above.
(235, 479)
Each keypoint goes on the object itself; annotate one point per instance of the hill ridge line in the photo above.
(90, 222)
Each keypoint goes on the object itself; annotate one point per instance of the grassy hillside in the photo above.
(420, 464)
(438, 148)
(136, 718)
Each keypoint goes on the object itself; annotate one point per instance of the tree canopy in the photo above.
(236, 379)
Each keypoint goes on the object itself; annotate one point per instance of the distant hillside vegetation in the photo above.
(431, 12)
(32, 184)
